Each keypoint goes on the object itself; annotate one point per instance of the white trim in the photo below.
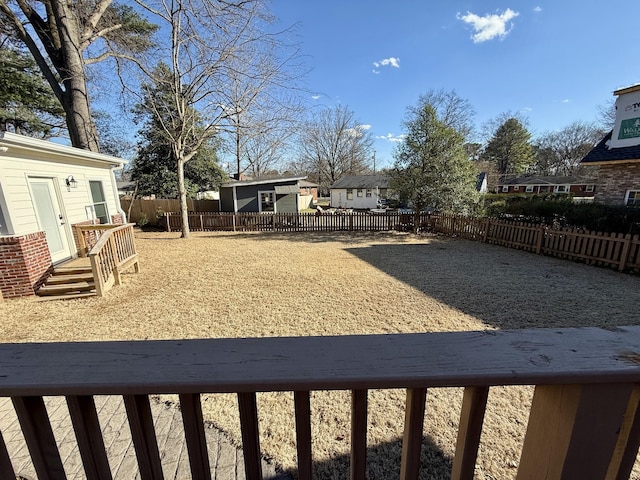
(589, 188)
(626, 197)
(528, 188)
(271, 193)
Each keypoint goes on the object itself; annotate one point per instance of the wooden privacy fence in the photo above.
(614, 250)
(296, 222)
(157, 207)
(584, 420)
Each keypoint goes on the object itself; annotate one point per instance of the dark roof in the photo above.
(548, 180)
(263, 181)
(362, 181)
(126, 186)
(602, 153)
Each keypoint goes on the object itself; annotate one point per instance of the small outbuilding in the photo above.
(45, 190)
(277, 195)
(359, 191)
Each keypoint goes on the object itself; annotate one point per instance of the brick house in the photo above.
(618, 154)
(531, 184)
(46, 189)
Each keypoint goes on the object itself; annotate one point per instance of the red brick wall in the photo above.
(25, 263)
(117, 219)
(614, 181)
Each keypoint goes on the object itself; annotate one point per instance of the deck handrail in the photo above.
(584, 420)
(113, 253)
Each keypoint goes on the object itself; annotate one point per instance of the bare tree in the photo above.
(333, 144)
(262, 102)
(209, 39)
(452, 110)
(560, 152)
(64, 37)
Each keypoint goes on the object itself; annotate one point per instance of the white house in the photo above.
(359, 191)
(46, 189)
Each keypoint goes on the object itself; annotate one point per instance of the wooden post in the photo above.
(486, 231)
(412, 438)
(625, 251)
(573, 430)
(541, 232)
(474, 404)
(82, 243)
(166, 216)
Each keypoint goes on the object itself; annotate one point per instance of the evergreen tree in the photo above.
(431, 166)
(155, 167)
(26, 103)
(509, 148)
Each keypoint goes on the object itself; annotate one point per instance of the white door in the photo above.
(50, 218)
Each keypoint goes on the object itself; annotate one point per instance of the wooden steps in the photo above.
(68, 281)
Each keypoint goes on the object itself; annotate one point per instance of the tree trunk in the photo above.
(182, 192)
(82, 130)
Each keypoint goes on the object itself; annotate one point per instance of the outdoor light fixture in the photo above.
(71, 183)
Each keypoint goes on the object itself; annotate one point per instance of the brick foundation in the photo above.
(25, 263)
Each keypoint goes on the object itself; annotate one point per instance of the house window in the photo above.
(4, 228)
(99, 202)
(516, 188)
(349, 193)
(590, 188)
(505, 188)
(267, 201)
(528, 189)
(561, 189)
(544, 189)
(359, 192)
(633, 198)
(369, 192)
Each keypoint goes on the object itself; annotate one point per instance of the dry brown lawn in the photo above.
(256, 285)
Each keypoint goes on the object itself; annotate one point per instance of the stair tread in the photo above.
(65, 287)
(70, 278)
(69, 296)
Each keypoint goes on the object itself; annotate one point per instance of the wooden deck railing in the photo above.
(112, 253)
(584, 420)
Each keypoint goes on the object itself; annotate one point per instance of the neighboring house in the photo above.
(359, 191)
(481, 183)
(281, 195)
(576, 186)
(126, 189)
(308, 194)
(618, 153)
(46, 189)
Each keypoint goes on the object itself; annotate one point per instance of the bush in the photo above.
(561, 211)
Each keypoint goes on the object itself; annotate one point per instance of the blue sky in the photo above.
(553, 61)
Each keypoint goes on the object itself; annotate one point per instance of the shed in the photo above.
(261, 195)
(46, 189)
(359, 191)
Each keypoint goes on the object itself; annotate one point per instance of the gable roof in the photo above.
(362, 181)
(602, 154)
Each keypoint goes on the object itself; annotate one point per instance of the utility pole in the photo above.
(374, 162)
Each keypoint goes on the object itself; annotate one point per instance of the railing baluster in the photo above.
(474, 404)
(358, 434)
(626, 450)
(194, 433)
(412, 439)
(303, 434)
(86, 426)
(250, 436)
(38, 434)
(143, 436)
(6, 469)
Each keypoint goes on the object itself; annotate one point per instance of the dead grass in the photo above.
(256, 285)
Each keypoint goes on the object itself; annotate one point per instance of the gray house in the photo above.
(281, 195)
(359, 191)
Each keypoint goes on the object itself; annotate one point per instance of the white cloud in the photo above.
(391, 138)
(566, 100)
(385, 62)
(315, 97)
(538, 9)
(489, 26)
(364, 127)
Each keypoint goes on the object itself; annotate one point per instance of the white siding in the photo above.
(339, 199)
(17, 166)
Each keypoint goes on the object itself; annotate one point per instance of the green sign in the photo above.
(629, 128)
